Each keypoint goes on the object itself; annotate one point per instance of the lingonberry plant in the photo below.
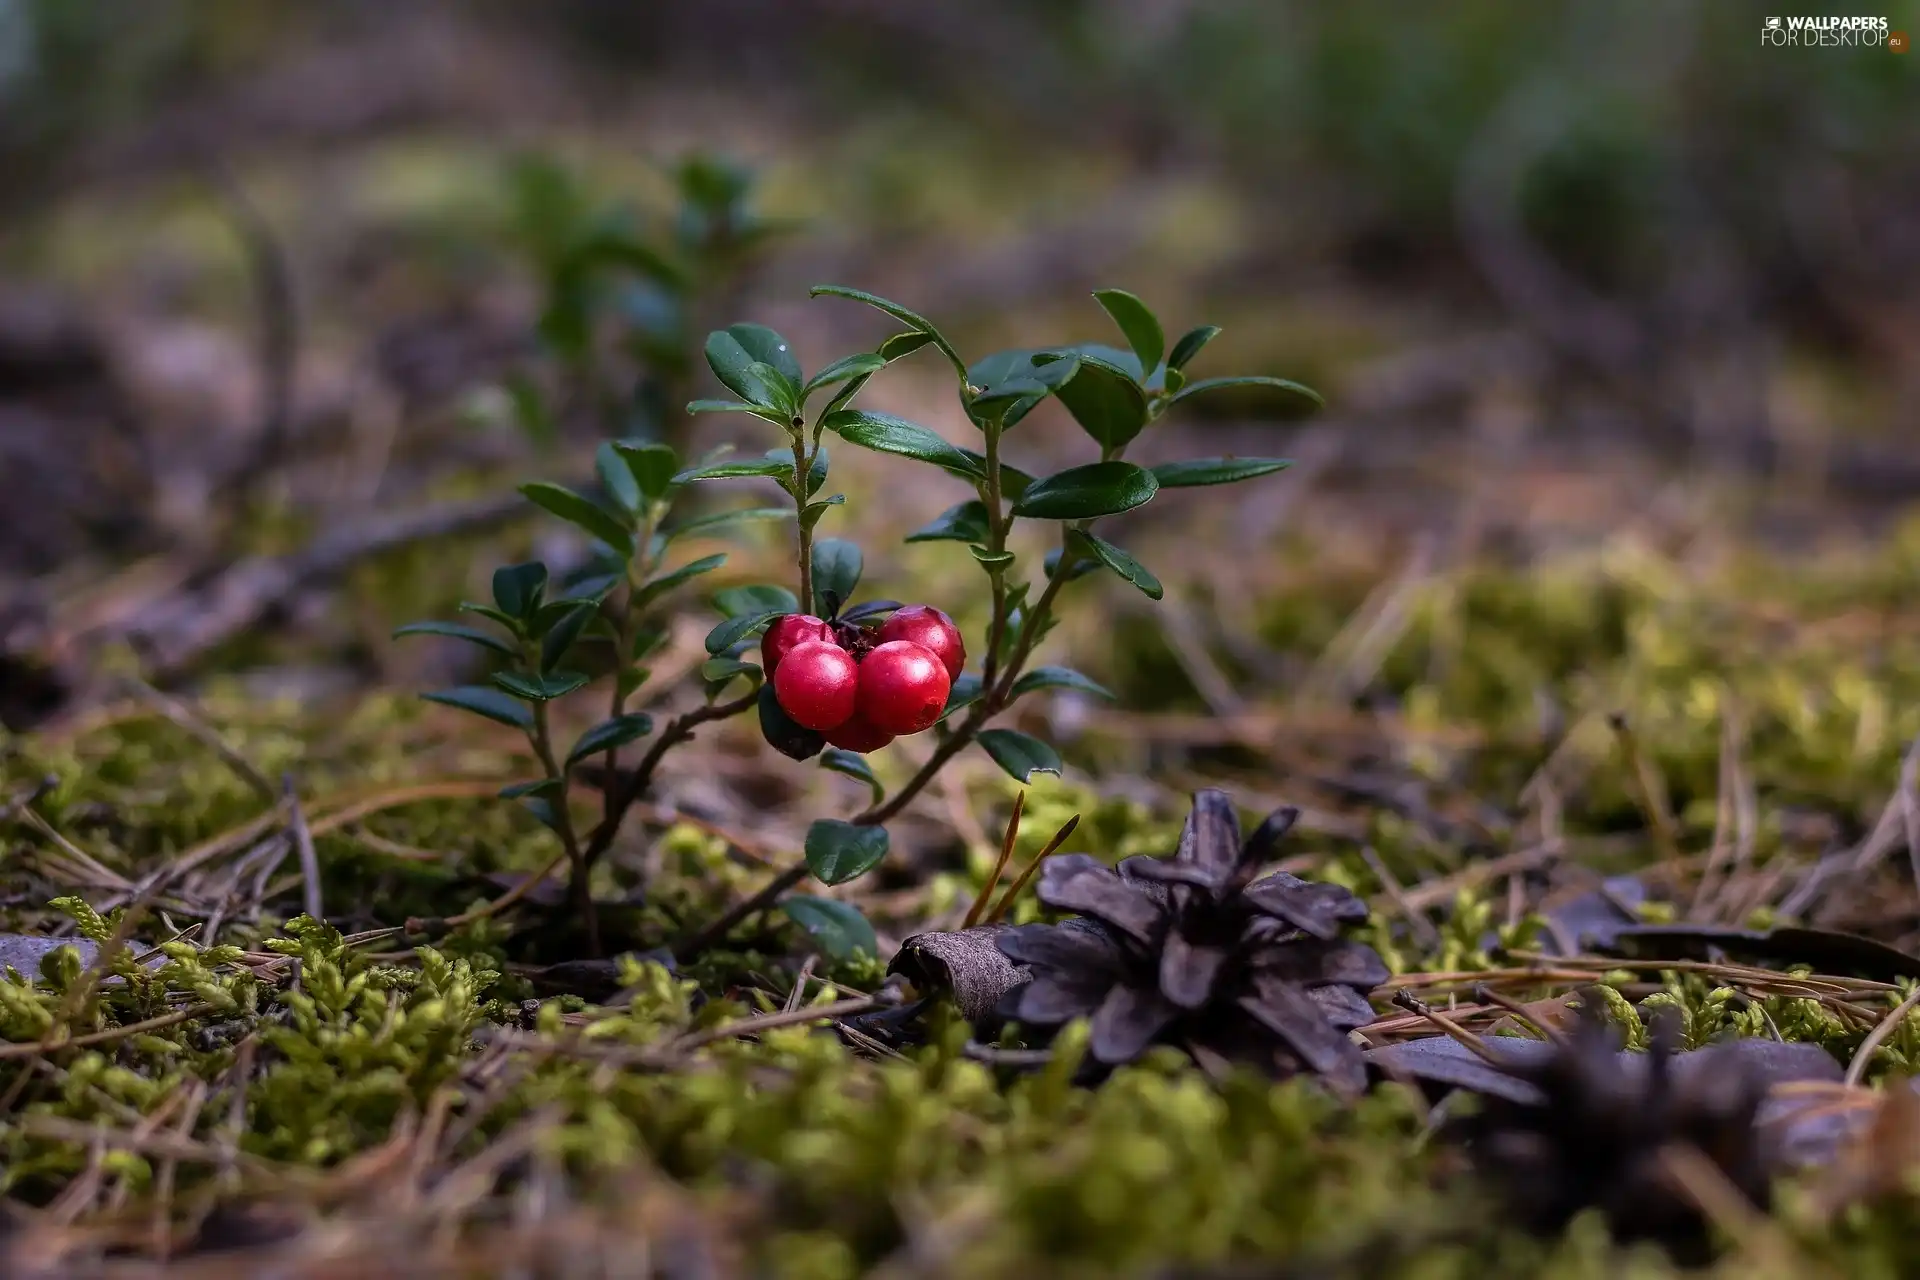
(836, 678)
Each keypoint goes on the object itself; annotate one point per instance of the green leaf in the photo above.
(651, 465)
(991, 559)
(840, 851)
(582, 512)
(619, 481)
(1120, 562)
(1058, 678)
(781, 733)
(854, 766)
(1082, 493)
(1199, 471)
(838, 927)
(1079, 565)
(748, 373)
(517, 588)
(847, 367)
(738, 406)
(659, 586)
(912, 319)
(563, 631)
(506, 620)
(737, 602)
(542, 810)
(482, 701)
(718, 673)
(768, 347)
(1020, 754)
(1205, 385)
(768, 466)
(1010, 384)
(868, 609)
(885, 433)
(542, 688)
(722, 519)
(786, 395)
(836, 572)
(1137, 321)
(902, 344)
(592, 586)
(734, 630)
(538, 787)
(472, 635)
(817, 470)
(1190, 344)
(962, 522)
(608, 734)
(1103, 397)
(966, 689)
(810, 515)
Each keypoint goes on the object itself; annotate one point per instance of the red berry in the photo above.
(933, 631)
(788, 632)
(858, 736)
(817, 684)
(903, 687)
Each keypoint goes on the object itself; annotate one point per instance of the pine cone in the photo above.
(1192, 951)
(1597, 1133)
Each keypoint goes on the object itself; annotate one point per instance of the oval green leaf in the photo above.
(1190, 344)
(1137, 322)
(1121, 563)
(962, 522)
(841, 851)
(542, 688)
(563, 629)
(836, 572)
(846, 367)
(854, 766)
(1205, 385)
(1082, 493)
(608, 734)
(772, 467)
(657, 587)
(517, 588)
(1104, 398)
(616, 478)
(734, 630)
(912, 319)
(581, 512)
(723, 519)
(472, 635)
(838, 927)
(1059, 678)
(1198, 471)
(1021, 755)
(884, 433)
(759, 597)
(769, 348)
(651, 464)
(482, 701)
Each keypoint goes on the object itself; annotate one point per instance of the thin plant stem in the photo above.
(542, 739)
(802, 466)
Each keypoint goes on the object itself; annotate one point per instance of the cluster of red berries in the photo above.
(862, 688)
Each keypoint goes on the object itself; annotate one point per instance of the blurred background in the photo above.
(286, 288)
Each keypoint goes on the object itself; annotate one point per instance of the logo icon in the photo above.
(1898, 42)
(1773, 24)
